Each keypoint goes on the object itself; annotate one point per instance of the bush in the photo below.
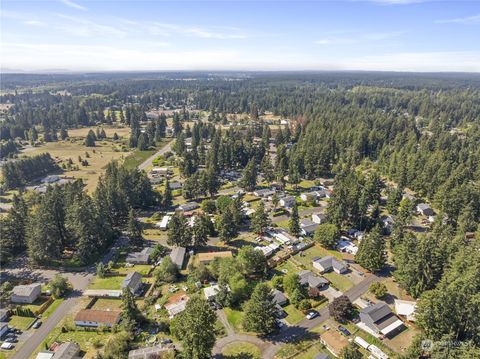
(379, 290)
(304, 305)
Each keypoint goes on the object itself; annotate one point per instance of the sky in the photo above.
(156, 35)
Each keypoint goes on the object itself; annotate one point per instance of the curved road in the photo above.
(272, 344)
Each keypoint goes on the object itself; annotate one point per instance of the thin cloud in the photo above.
(73, 5)
(351, 38)
(222, 33)
(475, 19)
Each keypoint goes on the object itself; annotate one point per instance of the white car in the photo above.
(7, 346)
(312, 314)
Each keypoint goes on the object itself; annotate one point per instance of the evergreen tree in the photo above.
(226, 227)
(167, 195)
(260, 311)
(327, 235)
(260, 219)
(179, 233)
(134, 229)
(249, 176)
(294, 222)
(195, 328)
(371, 251)
(200, 231)
(90, 139)
(130, 311)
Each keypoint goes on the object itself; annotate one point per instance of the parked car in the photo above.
(11, 339)
(7, 346)
(37, 324)
(344, 330)
(312, 314)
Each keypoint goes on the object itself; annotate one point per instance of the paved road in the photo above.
(39, 335)
(149, 160)
(270, 345)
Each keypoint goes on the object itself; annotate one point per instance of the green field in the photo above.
(294, 315)
(137, 157)
(107, 283)
(22, 323)
(339, 281)
(235, 318)
(240, 350)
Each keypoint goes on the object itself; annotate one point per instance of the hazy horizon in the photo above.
(78, 36)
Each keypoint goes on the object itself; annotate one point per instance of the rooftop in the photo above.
(98, 316)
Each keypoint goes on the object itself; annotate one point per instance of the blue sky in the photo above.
(123, 35)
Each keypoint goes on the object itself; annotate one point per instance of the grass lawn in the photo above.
(294, 315)
(235, 318)
(241, 350)
(52, 308)
(283, 224)
(36, 305)
(137, 157)
(20, 322)
(140, 268)
(107, 283)
(311, 352)
(315, 251)
(339, 281)
(107, 304)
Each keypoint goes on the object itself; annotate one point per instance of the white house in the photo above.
(164, 222)
(425, 209)
(319, 218)
(26, 293)
(347, 247)
(405, 308)
(212, 291)
(308, 227)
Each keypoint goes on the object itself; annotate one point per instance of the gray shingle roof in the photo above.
(377, 311)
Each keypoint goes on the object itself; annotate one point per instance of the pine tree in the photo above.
(260, 311)
(200, 231)
(294, 223)
(134, 229)
(226, 227)
(260, 219)
(167, 195)
(179, 233)
(371, 252)
(90, 139)
(249, 177)
(130, 311)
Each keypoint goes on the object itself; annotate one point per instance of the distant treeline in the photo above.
(19, 172)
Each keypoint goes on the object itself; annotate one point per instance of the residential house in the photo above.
(378, 319)
(26, 293)
(212, 291)
(176, 304)
(406, 309)
(307, 278)
(133, 281)
(4, 315)
(206, 258)
(279, 298)
(425, 210)
(177, 255)
(329, 263)
(264, 193)
(309, 196)
(175, 185)
(308, 228)
(334, 341)
(319, 218)
(163, 224)
(103, 293)
(187, 207)
(142, 257)
(156, 351)
(96, 318)
(283, 237)
(161, 171)
(388, 224)
(287, 201)
(67, 350)
(347, 247)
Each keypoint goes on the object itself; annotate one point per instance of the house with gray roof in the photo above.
(177, 255)
(142, 257)
(287, 201)
(279, 298)
(308, 228)
(187, 207)
(26, 293)
(307, 278)
(379, 319)
(133, 281)
(329, 263)
(425, 209)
